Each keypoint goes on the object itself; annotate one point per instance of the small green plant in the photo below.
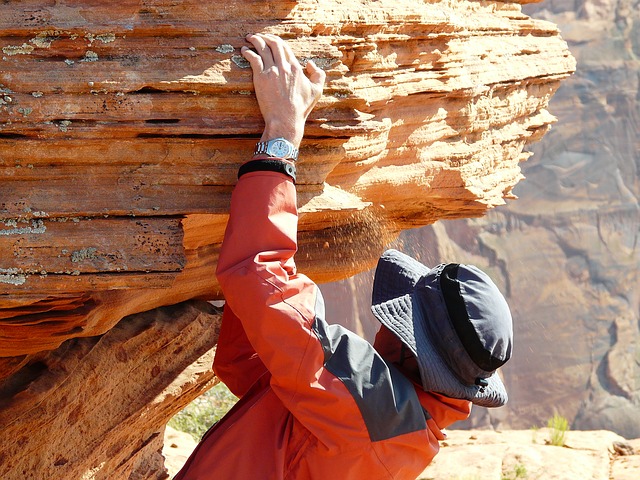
(197, 417)
(519, 471)
(559, 426)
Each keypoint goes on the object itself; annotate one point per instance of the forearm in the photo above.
(258, 248)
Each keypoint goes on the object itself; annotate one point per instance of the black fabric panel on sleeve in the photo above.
(385, 397)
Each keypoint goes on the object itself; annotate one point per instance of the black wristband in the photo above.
(269, 165)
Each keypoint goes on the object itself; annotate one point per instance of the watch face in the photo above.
(280, 149)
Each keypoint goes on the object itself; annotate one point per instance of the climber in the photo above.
(317, 401)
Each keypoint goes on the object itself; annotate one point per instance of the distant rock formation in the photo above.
(582, 328)
(121, 130)
(567, 252)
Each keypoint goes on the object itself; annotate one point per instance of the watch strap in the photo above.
(268, 165)
(261, 148)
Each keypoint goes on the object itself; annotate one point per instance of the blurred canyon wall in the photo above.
(565, 253)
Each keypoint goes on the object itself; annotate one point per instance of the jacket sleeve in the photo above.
(236, 363)
(278, 309)
(444, 411)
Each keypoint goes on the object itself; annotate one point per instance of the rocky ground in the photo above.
(527, 455)
(507, 455)
(177, 448)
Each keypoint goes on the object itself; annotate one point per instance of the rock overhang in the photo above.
(121, 132)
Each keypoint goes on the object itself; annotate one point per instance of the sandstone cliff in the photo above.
(566, 253)
(121, 130)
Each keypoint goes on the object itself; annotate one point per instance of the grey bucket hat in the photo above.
(454, 320)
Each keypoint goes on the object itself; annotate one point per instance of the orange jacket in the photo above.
(316, 401)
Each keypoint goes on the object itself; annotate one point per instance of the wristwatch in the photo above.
(277, 147)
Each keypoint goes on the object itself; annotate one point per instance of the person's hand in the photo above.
(286, 91)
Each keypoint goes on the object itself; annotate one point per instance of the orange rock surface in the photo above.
(121, 130)
(96, 407)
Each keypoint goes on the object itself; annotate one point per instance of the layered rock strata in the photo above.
(96, 407)
(121, 130)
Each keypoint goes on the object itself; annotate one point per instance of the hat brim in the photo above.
(396, 306)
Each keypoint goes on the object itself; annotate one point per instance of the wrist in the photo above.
(290, 133)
